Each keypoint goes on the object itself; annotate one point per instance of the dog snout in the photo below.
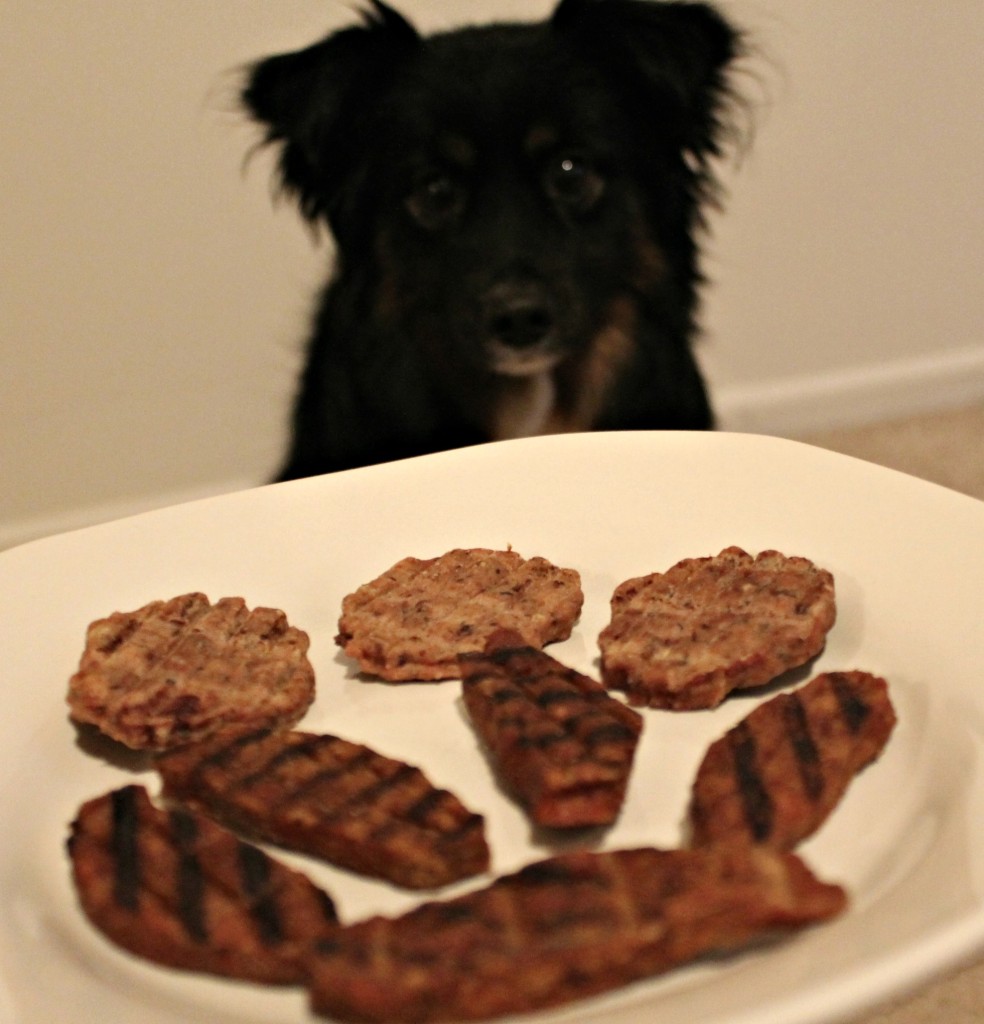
(518, 314)
(521, 328)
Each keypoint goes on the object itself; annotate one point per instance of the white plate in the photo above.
(907, 841)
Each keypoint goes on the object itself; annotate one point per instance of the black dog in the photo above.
(515, 209)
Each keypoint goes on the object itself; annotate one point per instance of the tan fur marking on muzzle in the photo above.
(584, 390)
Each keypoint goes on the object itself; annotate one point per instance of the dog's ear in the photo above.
(671, 57)
(314, 102)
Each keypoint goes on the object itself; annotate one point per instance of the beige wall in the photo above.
(152, 298)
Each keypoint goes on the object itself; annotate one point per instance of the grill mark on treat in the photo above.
(454, 913)
(307, 748)
(514, 722)
(755, 798)
(549, 698)
(612, 732)
(541, 742)
(221, 757)
(559, 741)
(432, 800)
(471, 823)
(361, 758)
(371, 795)
(205, 900)
(124, 847)
(805, 750)
(808, 727)
(190, 883)
(338, 800)
(853, 708)
(544, 872)
(557, 930)
(254, 876)
(580, 707)
(502, 696)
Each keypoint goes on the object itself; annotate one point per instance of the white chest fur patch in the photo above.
(525, 406)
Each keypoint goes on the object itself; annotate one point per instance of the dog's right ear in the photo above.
(314, 102)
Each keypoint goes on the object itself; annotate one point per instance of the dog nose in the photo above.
(518, 314)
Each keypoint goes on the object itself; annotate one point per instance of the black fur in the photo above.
(515, 210)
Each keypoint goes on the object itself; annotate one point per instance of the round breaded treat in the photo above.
(175, 671)
(685, 638)
(413, 621)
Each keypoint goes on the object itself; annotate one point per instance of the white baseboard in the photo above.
(785, 407)
(792, 406)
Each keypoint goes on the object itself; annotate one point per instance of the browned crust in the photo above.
(561, 929)
(178, 889)
(173, 671)
(413, 621)
(775, 777)
(558, 740)
(686, 638)
(334, 799)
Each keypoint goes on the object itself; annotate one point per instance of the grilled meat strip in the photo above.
(178, 889)
(563, 928)
(338, 800)
(559, 741)
(776, 776)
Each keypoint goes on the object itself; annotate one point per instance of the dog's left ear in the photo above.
(671, 57)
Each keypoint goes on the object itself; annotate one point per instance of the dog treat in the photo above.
(560, 929)
(413, 621)
(178, 889)
(686, 638)
(775, 777)
(174, 671)
(334, 799)
(558, 740)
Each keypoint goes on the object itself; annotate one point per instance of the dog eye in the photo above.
(573, 182)
(436, 201)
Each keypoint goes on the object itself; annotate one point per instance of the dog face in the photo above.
(508, 221)
(511, 201)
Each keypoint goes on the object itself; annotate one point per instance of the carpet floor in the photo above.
(946, 448)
